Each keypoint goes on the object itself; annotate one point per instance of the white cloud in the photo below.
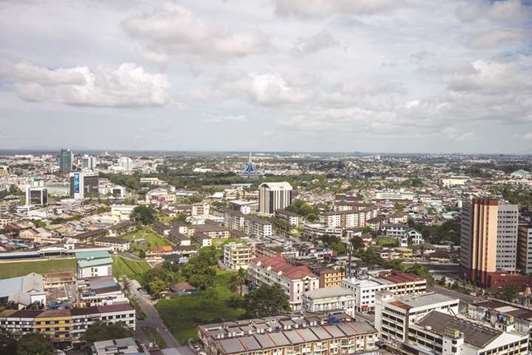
(226, 118)
(268, 89)
(496, 38)
(500, 10)
(175, 30)
(490, 78)
(127, 85)
(319, 8)
(316, 43)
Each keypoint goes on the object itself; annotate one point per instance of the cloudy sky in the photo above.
(297, 75)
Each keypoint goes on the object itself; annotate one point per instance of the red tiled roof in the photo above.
(399, 277)
(280, 264)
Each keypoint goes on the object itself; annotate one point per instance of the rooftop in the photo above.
(280, 264)
(474, 334)
(421, 300)
(329, 292)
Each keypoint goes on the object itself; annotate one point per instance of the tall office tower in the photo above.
(274, 196)
(524, 247)
(65, 160)
(84, 185)
(88, 162)
(125, 163)
(488, 240)
(36, 196)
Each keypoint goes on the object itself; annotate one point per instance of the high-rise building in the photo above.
(88, 162)
(274, 196)
(524, 247)
(83, 185)
(488, 241)
(66, 157)
(125, 163)
(36, 196)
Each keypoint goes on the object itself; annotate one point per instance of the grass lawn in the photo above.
(133, 269)
(387, 242)
(146, 239)
(183, 314)
(20, 268)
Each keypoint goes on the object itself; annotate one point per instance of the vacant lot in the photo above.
(183, 314)
(20, 268)
(132, 269)
(145, 239)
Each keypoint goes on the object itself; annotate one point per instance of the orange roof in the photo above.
(162, 248)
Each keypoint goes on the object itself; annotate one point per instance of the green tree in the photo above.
(144, 215)
(8, 342)
(508, 294)
(102, 331)
(200, 271)
(157, 286)
(266, 301)
(34, 344)
(357, 243)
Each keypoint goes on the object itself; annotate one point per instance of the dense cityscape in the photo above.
(266, 177)
(235, 253)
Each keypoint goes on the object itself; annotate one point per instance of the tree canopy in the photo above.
(34, 344)
(266, 301)
(143, 215)
(103, 331)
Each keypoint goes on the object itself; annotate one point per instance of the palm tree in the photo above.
(238, 280)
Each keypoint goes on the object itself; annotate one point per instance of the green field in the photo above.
(133, 269)
(183, 314)
(387, 241)
(20, 268)
(145, 239)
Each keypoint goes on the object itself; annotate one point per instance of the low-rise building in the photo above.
(296, 335)
(116, 244)
(121, 346)
(331, 299)
(94, 263)
(23, 290)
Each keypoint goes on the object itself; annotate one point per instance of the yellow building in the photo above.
(331, 278)
(56, 324)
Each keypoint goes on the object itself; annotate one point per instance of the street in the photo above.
(152, 320)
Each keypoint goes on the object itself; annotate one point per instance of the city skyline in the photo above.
(406, 76)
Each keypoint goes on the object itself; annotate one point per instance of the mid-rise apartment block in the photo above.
(430, 324)
(65, 325)
(294, 280)
(238, 255)
(257, 227)
(365, 288)
(348, 218)
(393, 313)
